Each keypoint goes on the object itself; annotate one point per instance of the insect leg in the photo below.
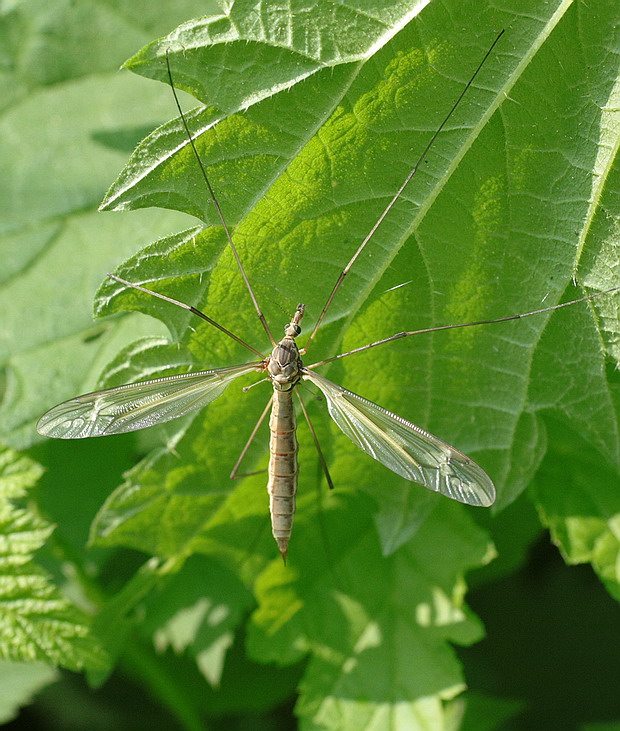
(234, 475)
(316, 443)
(191, 308)
(520, 316)
(203, 171)
(395, 198)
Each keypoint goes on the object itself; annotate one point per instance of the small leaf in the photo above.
(189, 615)
(579, 503)
(36, 622)
(19, 683)
(366, 636)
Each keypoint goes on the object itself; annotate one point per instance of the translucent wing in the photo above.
(138, 405)
(404, 447)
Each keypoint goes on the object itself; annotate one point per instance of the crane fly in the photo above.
(400, 445)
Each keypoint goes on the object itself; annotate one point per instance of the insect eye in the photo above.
(292, 326)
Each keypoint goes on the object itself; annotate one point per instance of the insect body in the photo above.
(400, 445)
(285, 368)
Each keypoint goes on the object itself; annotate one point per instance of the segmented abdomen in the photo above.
(282, 484)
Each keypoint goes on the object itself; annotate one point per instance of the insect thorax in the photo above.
(284, 365)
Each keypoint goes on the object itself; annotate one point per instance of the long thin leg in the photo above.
(398, 336)
(259, 312)
(315, 439)
(234, 475)
(192, 309)
(392, 203)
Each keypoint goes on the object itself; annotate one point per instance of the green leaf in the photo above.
(69, 120)
(185, 617)
(503, 214)
(465, 238)
(254, 56)
(364, 635)
(19, 682)
(578, 506)
(37, 623)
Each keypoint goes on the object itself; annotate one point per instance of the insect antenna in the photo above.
(218, 208)
(398, 194)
